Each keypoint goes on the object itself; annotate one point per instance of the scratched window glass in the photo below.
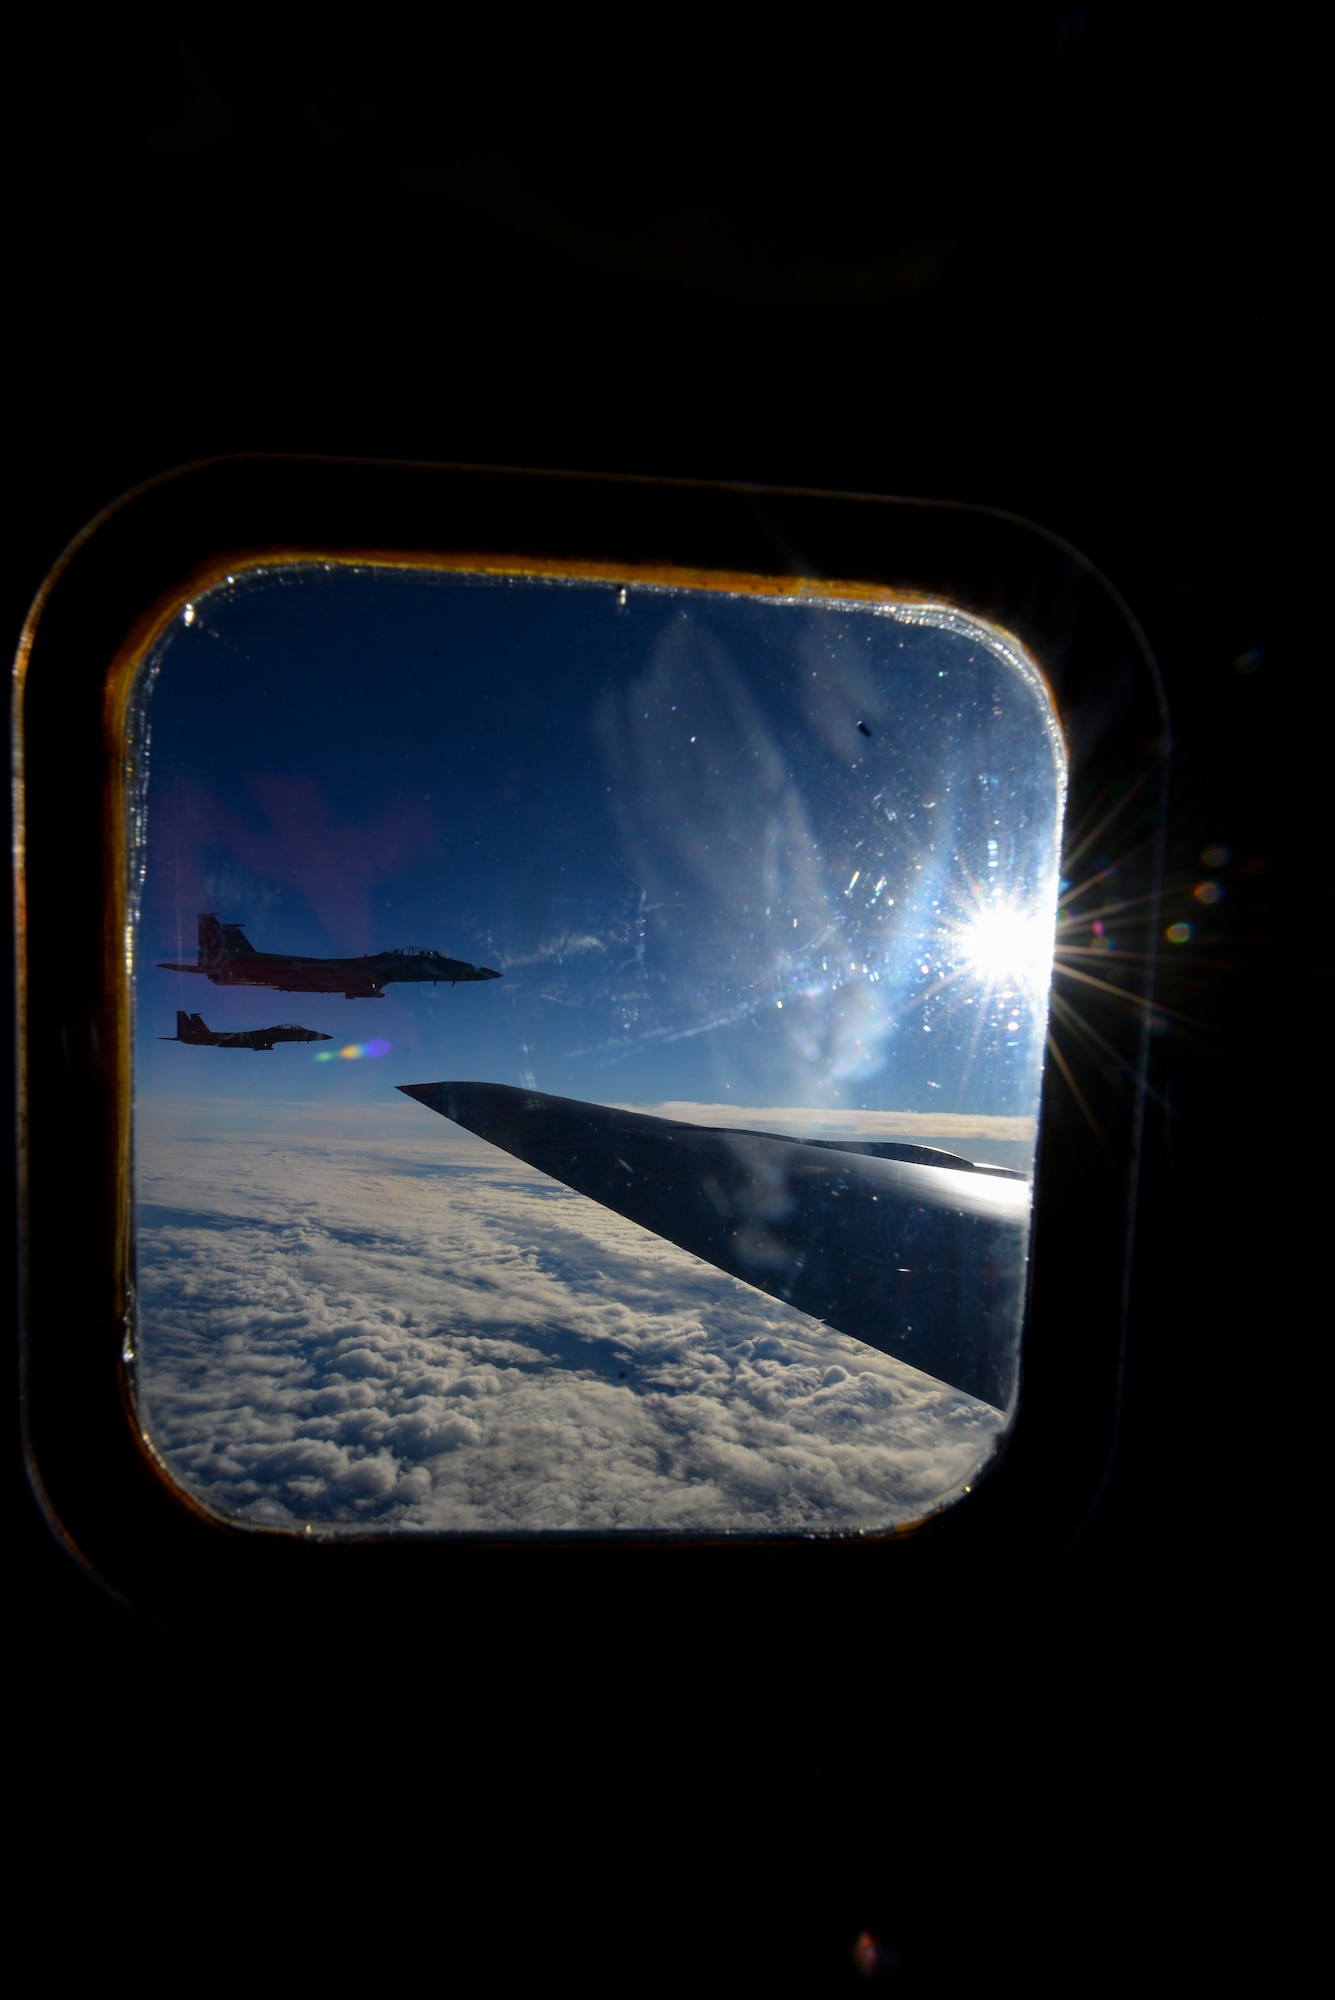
(587, 1051)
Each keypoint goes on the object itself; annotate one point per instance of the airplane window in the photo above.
(587, 1050)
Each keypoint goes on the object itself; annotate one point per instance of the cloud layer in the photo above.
(422, 1333)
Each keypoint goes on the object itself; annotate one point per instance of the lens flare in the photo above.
(355, 1050)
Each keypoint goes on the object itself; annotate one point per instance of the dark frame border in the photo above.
(102, 1490)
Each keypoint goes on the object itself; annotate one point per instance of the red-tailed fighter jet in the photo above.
(228, 958)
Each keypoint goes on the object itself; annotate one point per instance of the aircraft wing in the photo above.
(922, 1262)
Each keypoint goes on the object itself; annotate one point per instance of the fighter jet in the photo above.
(917, 1252)
(228, 958)
(193, 1029)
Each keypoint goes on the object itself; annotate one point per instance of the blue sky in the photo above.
(659, 817)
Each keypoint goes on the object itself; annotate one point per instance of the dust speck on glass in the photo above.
(587, 1051)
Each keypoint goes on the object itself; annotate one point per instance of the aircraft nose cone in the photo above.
(324, 1038)
(487, 972)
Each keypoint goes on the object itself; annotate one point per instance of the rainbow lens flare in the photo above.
(354, 1050)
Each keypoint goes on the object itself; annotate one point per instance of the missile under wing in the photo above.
(918, 1253)
(228, 958)
(193, 1028)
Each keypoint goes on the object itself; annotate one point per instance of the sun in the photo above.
(1009, 944)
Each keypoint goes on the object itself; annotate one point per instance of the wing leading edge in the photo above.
(922, 1261)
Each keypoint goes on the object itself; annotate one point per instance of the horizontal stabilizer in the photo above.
(922, 1261)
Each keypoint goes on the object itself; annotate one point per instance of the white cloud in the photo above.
(993, 1138)
(925, 1127)
(421, 1332)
